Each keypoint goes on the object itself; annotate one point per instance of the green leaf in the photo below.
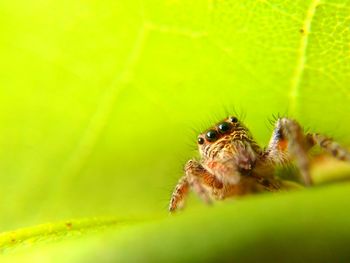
(98, 100)
(306, 226)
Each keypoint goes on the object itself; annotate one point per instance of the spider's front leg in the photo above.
(289, 141)
(197, 178)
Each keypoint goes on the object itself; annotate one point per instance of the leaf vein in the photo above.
(301, 60)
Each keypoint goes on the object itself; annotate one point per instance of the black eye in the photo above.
(200, 140)
(211, 135)
(224, 127)
(233, 119)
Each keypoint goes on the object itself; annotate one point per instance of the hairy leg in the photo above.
(180, 192)
(288, 142)
(329, 146)
(196, 178)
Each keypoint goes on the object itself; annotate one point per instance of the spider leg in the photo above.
(288, 142)
(180, 192)
(329, 146)
(196, 177)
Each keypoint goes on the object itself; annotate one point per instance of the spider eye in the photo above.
(224, 127)
(233, 119)
(211, 135)
(200, 140)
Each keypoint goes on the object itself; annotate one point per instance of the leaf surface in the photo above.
(98, 101)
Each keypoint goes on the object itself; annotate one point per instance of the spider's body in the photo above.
(232, 163)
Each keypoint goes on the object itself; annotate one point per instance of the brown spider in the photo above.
(232, 163)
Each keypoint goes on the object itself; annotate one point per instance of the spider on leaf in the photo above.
(232, 163)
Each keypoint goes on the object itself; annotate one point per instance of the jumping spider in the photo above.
(232, 163)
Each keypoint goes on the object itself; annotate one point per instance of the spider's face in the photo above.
(220, 137)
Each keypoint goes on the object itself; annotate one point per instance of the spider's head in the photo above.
(220, 136)
(226, 148)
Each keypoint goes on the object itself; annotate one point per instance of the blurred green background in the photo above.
(99, 99)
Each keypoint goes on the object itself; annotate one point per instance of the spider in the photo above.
(232, 163)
